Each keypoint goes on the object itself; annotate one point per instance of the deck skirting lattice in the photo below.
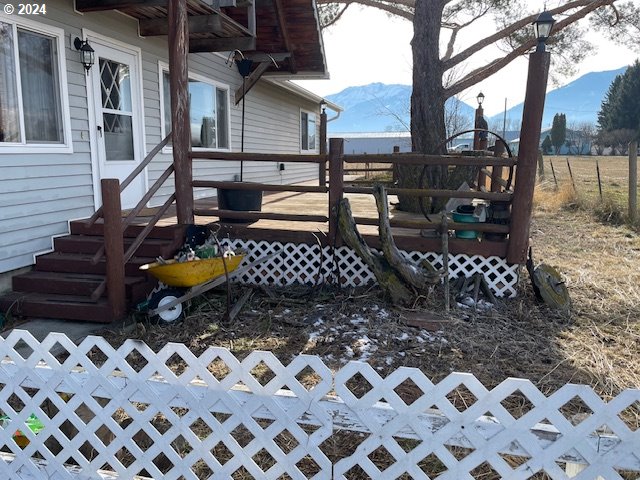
(313, 265)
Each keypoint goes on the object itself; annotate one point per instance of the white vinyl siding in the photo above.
(40, 193)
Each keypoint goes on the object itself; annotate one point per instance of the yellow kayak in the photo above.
(190, 274)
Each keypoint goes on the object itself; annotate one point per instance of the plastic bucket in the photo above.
(465, 218)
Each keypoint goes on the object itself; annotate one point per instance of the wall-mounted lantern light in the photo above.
(543, 26)
(87, 54)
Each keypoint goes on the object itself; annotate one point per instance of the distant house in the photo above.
(575, 144)
(383, 142)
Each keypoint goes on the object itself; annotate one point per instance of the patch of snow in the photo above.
(383, 313)
(349, 351)
(403, 337)
(318, 322)
(357, 320)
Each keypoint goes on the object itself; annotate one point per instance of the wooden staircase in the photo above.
(63, 281)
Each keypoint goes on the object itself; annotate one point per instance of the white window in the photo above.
(33, 107)
(209, 111)
(307, 131)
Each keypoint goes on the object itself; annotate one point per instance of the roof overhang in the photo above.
(288, 31)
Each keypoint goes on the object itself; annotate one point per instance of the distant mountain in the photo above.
(579, 100)
(378, 107)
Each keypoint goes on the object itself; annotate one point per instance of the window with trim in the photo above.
(307, 131)
(31, 106)
(208, 115)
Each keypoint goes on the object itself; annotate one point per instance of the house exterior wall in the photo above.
(41, 193)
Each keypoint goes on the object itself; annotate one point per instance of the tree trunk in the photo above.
(428, 127)
(428, 130)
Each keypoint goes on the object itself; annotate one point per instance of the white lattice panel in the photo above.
(311, 264)
(172, 415)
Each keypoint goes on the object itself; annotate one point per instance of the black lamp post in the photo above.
(542, 26)
(480, 99)
(87, 54)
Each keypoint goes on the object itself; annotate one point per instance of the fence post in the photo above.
(113, 246)
(496, 170)
(633, 181)
(528, 157)
(336, 187)
(396, 149)
(540, 166)
(322, 166)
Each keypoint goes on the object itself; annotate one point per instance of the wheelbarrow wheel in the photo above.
(164, 297)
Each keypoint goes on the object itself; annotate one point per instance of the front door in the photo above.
(117, 124)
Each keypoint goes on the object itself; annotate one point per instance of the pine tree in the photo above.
(620, 109)
(558, 131)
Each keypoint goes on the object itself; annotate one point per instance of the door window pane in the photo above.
(304, 130)
(115, 83)
(9, 107)
(118, 137)
(40, 88)
(223, 130)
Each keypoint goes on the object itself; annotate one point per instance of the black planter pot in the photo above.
(239, 201)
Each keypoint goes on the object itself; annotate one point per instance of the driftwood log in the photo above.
(397, 276)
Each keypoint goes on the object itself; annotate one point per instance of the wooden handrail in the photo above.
(147, 229)
(266, 187)
(258, 157)
(234, 214)
(133, 174)
(416, 192)
(147, 196)
(422, 159)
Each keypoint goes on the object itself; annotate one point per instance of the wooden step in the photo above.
(81, 263)
(67, 307)
(151, 247)
(171, 232)
(64, 283)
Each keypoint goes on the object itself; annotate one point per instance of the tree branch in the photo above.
(394, 8)
(589, 6)
(499, 63)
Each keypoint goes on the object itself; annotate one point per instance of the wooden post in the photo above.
(528, 157)
(322, 167)
(396, 149)
(336, 187)
(633, 181)
(113, 246)
(496, 171)
(179, 86)
(540, 166)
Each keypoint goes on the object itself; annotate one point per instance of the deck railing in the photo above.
(490, 187)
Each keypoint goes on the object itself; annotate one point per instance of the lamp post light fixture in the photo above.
(480, 99)
(543, 26)
(87, 54)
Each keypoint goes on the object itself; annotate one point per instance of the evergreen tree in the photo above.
(546, 145)
(558, 131)
(620, 109)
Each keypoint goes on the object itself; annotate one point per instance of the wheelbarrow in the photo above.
(186, 280)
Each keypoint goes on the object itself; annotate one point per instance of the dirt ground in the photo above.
(597, 343)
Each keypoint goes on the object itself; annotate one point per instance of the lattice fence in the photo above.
(119, 413)
(311, 264)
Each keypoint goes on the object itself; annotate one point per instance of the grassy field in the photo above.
(614, 176)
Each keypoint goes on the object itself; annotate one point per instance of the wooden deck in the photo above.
(362, 205)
